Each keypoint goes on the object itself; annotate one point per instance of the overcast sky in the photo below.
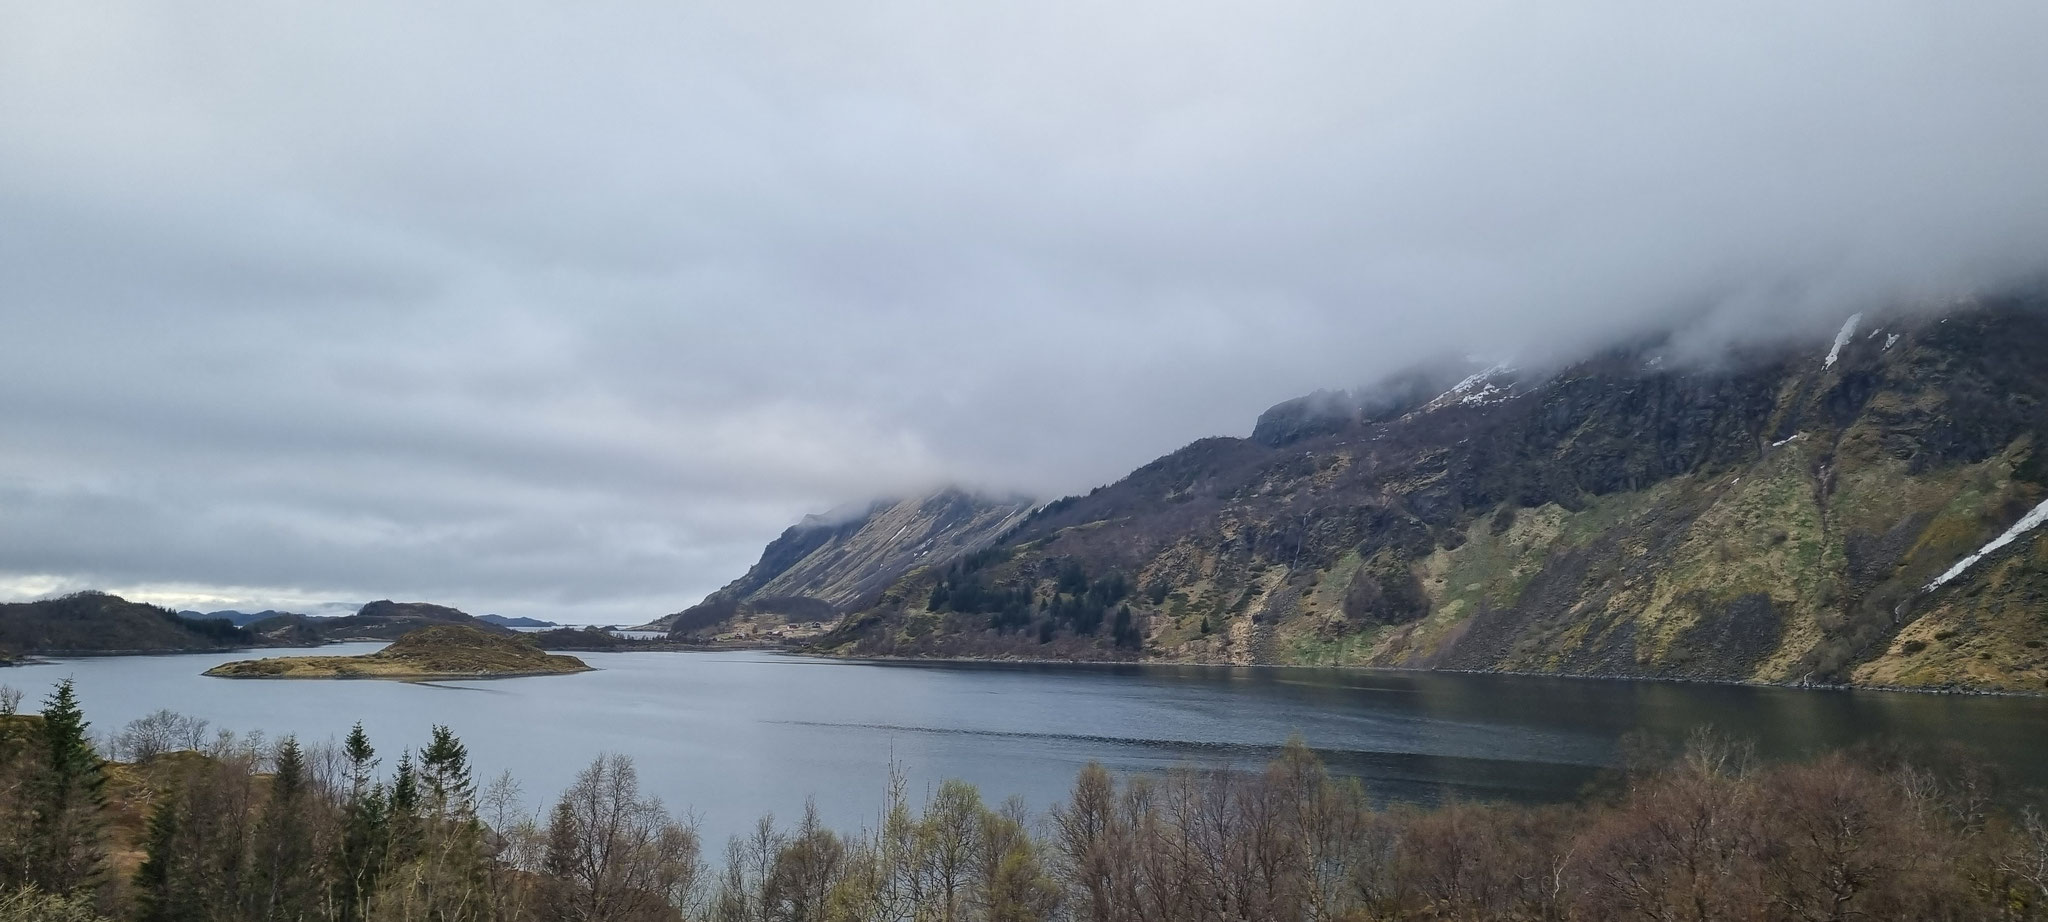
(565, 309)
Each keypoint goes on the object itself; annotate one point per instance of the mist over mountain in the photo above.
(564, 314)
(838, 562)
(1864, 510)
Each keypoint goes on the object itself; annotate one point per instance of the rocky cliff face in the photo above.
(1778, 517)
(828, 565)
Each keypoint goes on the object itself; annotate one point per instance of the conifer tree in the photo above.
(449, 868)
(163, 884)
(444, 768)
(284, 884)
(363, 830)
(402, 814)
(67, 829)
(1125, 634)
(362, 762)
(564, 855)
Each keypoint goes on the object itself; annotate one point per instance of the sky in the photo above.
(564, 310)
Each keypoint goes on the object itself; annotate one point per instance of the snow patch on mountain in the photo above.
(1478, 389)
(1842, 339)
(2026, 523)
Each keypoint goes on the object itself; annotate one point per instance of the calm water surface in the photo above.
(730, 736)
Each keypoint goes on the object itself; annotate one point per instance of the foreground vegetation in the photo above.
(443, 651)
(227, 828)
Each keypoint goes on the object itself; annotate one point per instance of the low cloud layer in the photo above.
(564, 311)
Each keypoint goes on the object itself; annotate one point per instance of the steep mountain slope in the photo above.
(1778, 517)
(827, 565)
(95, 622)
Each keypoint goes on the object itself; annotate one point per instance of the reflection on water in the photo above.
(732, 735)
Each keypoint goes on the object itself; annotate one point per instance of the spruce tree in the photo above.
(67, 831)
(402, 819)
(444, 767)
(285, 883)
(362, 761)
(163, 884)
(363, 830)
(562, 864)
(452, 873)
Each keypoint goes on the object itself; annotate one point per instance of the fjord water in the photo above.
(730, 736)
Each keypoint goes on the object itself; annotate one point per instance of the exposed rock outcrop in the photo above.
(831, 564)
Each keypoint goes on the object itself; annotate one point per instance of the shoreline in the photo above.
(47, 657)
(405, 677)
(1955, 691)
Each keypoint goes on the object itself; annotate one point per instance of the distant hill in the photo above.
(440, 651)
(236, 618)
(502, 621)
(571, 638)
(290, 630)
(95, 622)
(379, 620)
(828, 565)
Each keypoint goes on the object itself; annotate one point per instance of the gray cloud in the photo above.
(564, 311)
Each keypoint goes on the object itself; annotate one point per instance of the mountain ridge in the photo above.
(827, 565)
(94, 622)
(1776, 517)
(379, 620)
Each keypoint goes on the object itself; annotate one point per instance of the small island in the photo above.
(446, 651)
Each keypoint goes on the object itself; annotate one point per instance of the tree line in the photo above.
(1073, 603)
(239, 828)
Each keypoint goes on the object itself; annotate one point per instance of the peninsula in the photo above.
(446, 651)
